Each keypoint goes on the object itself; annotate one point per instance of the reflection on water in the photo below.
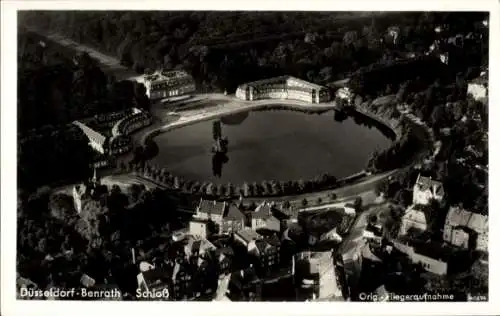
(235, 119)
(218, 161)
(340, 116)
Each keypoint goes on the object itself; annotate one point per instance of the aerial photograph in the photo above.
(252, 156)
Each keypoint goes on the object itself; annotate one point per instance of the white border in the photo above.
(8, 164)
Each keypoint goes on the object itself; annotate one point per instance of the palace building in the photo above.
(131, 123)
(96, 140)
(119, 142)
(165, 84)
(284, 87)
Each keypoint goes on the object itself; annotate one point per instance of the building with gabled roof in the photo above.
(227, 216)
(213, 210)
(199, 228)
(432, 257)
(426, 189)
(224, 257)
(198, 247)
(233, 220)
(259, 217)
(414, 218)
(316, 274)
(247, 238)
(466, 229)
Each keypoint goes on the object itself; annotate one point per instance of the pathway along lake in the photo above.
(271, 145)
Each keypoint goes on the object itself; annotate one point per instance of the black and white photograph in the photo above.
(266, 155)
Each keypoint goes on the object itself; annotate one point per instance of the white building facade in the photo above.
(165, 84)
(426, 189)
(284, 87)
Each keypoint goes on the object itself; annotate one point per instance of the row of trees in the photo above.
(263, 189)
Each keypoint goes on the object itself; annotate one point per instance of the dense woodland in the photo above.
(56, 87)
(224, 49)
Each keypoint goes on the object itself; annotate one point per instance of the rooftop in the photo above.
(263, 211)
(234, 213)
(434, 250)
(212, 207)
(426, 183)
(460, 217)
(200, 246)
(415, 215)
(165, 76)
(281, 79)
(248, 235)
(90, 133)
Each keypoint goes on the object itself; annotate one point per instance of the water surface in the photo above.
(270, 145)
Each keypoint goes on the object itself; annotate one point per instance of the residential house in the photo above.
(267, 253)
(226, 216)
(414, 218)
(315, 272)
(466, 229)
(331, 235)
(258, 218)
(211, 210)
(199, 228)
(224, 257)
(182, 281)
(273, 224)
(197, 248)
(433, 258)
(247, 237)
(233, 220)
(426, 189)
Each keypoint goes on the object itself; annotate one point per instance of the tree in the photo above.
(333, 196)
(246, 190)
(358, 203)
(304, 202)
(286, 204)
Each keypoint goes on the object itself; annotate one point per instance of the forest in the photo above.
(224, 49)
(56, 87)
